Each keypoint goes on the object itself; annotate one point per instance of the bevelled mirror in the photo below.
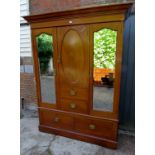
(104, 56)
(46, 68)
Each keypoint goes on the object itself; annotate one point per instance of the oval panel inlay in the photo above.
(72, 56)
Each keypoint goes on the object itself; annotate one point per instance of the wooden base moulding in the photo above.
(83, 137)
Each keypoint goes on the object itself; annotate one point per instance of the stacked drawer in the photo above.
(77, 123)
(74, 100)
(55, 119)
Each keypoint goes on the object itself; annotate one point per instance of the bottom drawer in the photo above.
(55, 119)
(87, 125)
(100, 128)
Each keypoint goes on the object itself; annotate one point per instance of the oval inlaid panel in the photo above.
(72, 56)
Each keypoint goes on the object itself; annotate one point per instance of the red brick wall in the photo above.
(27, 82)
(27, 88)
(101, 72)
(46, 6)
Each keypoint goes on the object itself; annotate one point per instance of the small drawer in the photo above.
(55, 119)
(74, 93)
(99, 128)
(74, 105)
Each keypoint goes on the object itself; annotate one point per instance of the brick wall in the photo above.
(27, 88)
(27, 81)
(46, 6)
(101, 72)
(26, 61)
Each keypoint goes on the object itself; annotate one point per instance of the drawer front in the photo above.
(55, 119)
(74, 105)
(100, 128)
(74, 93)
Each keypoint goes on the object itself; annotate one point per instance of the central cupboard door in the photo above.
(73, 60)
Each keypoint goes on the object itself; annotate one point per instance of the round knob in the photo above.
(92, 126)
(56, 119)
(70, 22)
(72, 105)
(72, 92)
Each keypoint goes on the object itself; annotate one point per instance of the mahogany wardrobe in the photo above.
(77, 62)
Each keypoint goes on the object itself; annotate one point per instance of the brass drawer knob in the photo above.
(56, 119)
(72, 105)
(72, 92)
(92, 126)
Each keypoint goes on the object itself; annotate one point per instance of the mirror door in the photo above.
(105, 63)
(45, 65)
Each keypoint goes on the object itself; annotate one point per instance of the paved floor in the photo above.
(103, 98)
(48, 89)
(34, 142)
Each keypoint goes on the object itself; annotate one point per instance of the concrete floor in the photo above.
(48, 89)
(103, 98)
(34, 142)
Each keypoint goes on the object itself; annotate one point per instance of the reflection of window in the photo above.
(104, 48)
(45, 53)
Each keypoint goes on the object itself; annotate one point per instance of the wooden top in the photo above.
(92, 10)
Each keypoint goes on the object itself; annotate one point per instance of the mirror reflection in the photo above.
(46, 68)
(104, 69)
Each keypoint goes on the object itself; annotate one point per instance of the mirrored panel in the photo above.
(46, 68)
(104, 69)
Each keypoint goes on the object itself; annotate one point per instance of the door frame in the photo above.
(116, 26)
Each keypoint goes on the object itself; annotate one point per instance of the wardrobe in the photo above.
(77, 62)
